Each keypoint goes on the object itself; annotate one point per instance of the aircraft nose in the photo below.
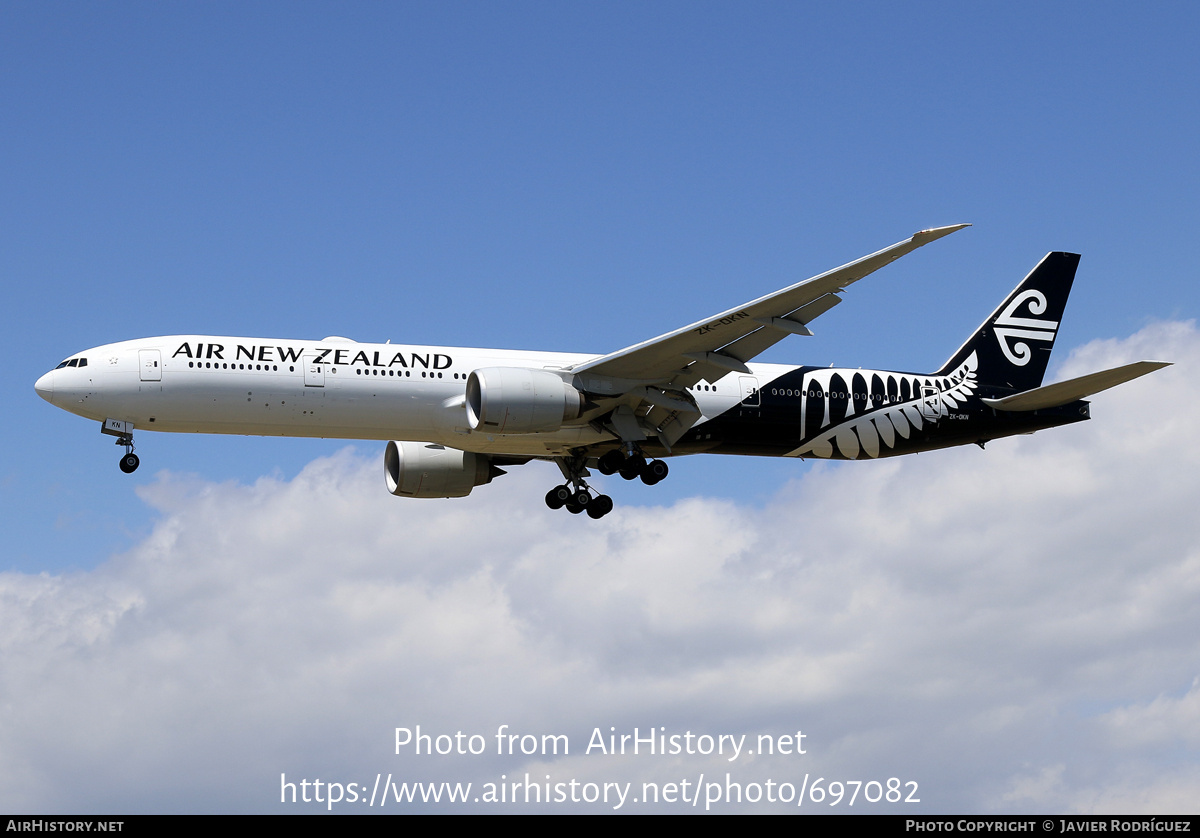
(45, 387)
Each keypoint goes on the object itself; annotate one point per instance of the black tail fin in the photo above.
(1013, 346)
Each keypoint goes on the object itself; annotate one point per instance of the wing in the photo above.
(714, 347)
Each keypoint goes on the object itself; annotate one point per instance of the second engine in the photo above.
(426, 470)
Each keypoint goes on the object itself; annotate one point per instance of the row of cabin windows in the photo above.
(212, 365)
(401, 373)
(275, 368)
(834, 394)
(73, 362)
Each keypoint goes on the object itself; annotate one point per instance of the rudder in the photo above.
(1013, 345)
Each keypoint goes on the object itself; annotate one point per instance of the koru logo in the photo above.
(1009, 327)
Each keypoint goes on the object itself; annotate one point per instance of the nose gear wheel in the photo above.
(129, 461)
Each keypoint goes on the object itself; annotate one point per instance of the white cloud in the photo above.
(1014, 629)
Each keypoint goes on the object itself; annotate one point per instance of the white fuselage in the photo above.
(332, 388)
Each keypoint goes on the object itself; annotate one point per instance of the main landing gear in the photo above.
(579, 500)
(576, 495)
(123, 431)
(632, 465)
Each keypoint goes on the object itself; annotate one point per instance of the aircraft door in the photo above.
(931, 403)
(150, 363)
(314, 373)
(750, 395)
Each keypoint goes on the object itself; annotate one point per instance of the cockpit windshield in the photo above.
(72, 362)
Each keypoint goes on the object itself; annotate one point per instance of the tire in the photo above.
(633, 467)
(611, 462)
(129, 463)
(557, 496)
(599, 507)
(654, 471)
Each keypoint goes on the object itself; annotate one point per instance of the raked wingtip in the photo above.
(925, 236)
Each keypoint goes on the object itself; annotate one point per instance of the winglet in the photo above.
(935, 233)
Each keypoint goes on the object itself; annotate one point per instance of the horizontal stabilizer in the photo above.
(1065, 392)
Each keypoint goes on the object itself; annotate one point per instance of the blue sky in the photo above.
(556, 176)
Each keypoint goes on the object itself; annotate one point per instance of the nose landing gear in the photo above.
(130, 461)
(123, 431)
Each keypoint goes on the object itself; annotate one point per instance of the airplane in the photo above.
(454, 418)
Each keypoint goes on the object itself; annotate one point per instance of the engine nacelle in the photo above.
(425, 470)
(516, 400)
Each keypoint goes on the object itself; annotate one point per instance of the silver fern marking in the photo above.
(932, 397)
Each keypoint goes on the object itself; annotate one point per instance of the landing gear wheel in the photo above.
(633, 467)
(654, 471)
(575, 494)
(129, 463)
(599, 507)
(558, 496)
(611, 462)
